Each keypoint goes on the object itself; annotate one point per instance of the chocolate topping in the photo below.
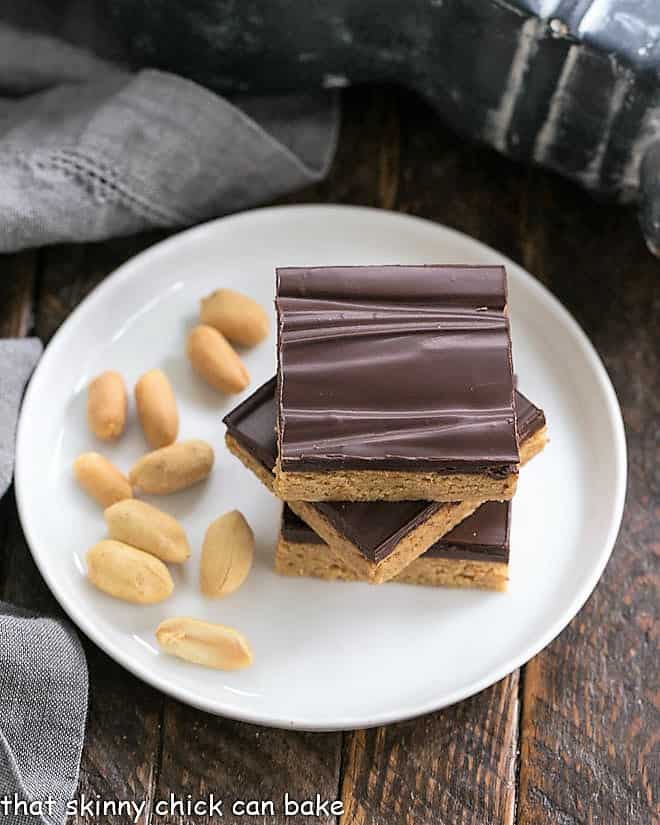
(483, 536)
(294, 529)
(395, 368)
(374, 527)
(253, 424)
(529, 418)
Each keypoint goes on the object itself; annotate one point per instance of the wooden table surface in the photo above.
(570, 738)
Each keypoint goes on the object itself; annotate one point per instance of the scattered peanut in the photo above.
(156, 406)
(143, 526)
(213, 357)
(211, 645)
(128, 574)
(227, 555)
(240, 319)
(101, 479)
(173, 468)
(106, 406)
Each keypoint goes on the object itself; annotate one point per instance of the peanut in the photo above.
(143, 526)
(156, 406)
(106, 406)
(100, 479)
(227, 555)
(173, 468)
(211, 645)
(213, 357)
(128, 574)
(240, 319)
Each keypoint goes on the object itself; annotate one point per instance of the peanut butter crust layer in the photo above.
(299, 559)
(391, 485)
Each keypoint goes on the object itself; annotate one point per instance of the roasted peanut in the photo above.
(101, 479)
(147, 528)
(107, 406)
(240, 319)
(156, 406)
(173, 468)
(227, 555)
(203, 643)
(128, 574)
(213, 357)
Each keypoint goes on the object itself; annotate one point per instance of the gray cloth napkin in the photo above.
(43, 706)
(43, 673)
(88, 150)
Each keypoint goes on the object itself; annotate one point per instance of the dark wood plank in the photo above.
(463, 185)
(457, 765)
(121, 757)
(366, 167)
(20, 581)
(590, 700)
(204, 754)
(453, 766)
(17, 278)
(17, 281)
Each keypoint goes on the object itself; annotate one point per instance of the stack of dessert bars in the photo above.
(393, 431)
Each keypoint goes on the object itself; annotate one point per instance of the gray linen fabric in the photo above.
(43, 673)
(89, 151)
(43, 706)
(18, 357)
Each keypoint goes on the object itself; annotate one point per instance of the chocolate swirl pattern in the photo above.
(395, 368)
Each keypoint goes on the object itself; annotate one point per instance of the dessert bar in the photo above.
(376, 540)
(394, 383)
(473, 554)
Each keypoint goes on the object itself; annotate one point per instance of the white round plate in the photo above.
(326, 655)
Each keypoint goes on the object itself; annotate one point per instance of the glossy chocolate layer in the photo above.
(483, 536)
(253, 424)
(375, 527)
(529, 418)
(295, 530)
(395, 368)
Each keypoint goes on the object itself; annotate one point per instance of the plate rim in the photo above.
(78, 618)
